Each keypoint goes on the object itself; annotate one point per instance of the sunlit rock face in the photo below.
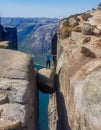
(18, 91)
(79, 72)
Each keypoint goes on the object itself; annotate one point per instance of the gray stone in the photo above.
(18, 91)
(16, 67)
(13, 112)
(75, 35)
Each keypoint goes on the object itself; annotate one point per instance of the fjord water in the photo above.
(43, 107)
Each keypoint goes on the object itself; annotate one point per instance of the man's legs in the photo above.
(48, 64)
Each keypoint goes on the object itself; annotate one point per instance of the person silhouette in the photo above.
(48, 59)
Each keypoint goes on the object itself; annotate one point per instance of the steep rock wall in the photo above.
(18, 91)
(79, 72)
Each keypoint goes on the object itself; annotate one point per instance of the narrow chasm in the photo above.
(47, 91)
(43, 105)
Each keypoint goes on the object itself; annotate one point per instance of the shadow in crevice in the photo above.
(62, 122)
(45, 84)
(54, 51)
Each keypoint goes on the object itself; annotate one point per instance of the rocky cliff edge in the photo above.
(79, 72)
(18, 91)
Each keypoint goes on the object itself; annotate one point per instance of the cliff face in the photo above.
(79, 72)
(18, 91)
(39, 40)
(8, 34)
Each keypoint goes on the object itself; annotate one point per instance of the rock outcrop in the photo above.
(18, 91)
(8, 34)
(79, 73)
(99, 6)
(4, 44)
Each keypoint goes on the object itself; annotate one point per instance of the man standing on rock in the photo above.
(48, 58)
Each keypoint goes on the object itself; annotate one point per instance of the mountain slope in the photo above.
(34, 34)
(39, 40)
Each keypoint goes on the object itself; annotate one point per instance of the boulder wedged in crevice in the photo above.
(45, 81)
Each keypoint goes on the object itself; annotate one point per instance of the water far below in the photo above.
(43, 107)
(43, 111)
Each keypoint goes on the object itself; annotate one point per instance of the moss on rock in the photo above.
(86, 16)
(64, 32)
(87, 52)
(77, 29)
(14, 126)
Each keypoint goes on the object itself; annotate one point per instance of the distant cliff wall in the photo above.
(9, 34)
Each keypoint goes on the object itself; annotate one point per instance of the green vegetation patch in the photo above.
(64, 32)
(15, 126)
(77, 29)
(66, 23)
(70, 24)
(87, 29)
(85, 16)
(87, 52)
